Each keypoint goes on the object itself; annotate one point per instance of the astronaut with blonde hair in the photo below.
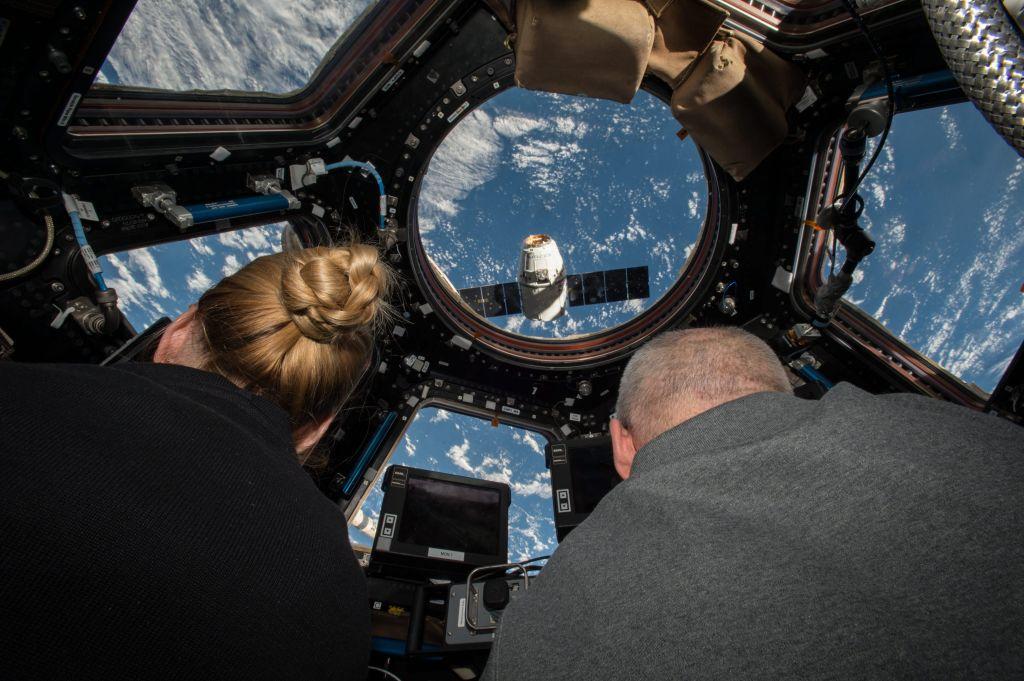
(157, 521)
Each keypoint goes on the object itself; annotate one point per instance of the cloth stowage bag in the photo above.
(734, 102)
(729, 92)
(595, 48)
(683, 31)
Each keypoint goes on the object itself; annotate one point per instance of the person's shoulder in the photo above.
(913, 413)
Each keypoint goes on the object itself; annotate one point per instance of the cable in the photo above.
(71, 205)
(890, 93)
(38, 260)
(385, 672)
(372, 171)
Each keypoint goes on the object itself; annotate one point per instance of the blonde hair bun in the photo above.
(332, 292)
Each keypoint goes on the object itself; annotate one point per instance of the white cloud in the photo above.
(231, 265)
(198, 282)
(950, 128)
(547, 161)
(514, 125)
(258, 239)
(531, 441)
(466, 159)
(201, 246)
(143, 260)
(458, 455)
(194, 44)
(540, 486)
(693, 204)
(440, 415)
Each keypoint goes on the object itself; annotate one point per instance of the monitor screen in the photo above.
(593, 476)
(449, 515)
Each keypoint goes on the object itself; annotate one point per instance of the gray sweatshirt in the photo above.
(859, 536)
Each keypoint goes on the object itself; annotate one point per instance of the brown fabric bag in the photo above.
(596, 48)
(734, 102)
(683, 30)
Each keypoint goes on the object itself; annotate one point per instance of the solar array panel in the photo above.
(589, 288)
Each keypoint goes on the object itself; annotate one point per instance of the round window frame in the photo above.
(584, 350)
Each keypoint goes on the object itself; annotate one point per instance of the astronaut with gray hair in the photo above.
(757, 535)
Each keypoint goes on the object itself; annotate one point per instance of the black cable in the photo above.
(890, 92)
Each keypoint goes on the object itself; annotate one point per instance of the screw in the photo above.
(79, 13)
(19, 132)
(57, 287)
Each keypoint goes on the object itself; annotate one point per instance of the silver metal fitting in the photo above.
(270, 184)
(163, 200)
(263, 184)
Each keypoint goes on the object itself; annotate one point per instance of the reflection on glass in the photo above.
(448, 442)
(612, 185)
(946, 206)
(164, 280)
(253, 46)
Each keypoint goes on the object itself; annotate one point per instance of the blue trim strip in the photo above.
(368, 452)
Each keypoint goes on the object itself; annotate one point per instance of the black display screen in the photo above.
(593, 476)
(448, 515)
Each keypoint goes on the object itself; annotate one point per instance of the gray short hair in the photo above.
(678, 372)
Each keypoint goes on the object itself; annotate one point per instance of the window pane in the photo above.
(946, 206)
(448, 442)
(164, 280)
(612, 185)
(257, 46)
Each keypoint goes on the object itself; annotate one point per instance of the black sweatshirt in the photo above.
(154, 524)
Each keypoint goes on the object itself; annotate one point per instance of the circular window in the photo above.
(558, 217)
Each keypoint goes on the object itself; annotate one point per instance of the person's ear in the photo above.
(175, 346)
(308, 434)
(623, 448)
